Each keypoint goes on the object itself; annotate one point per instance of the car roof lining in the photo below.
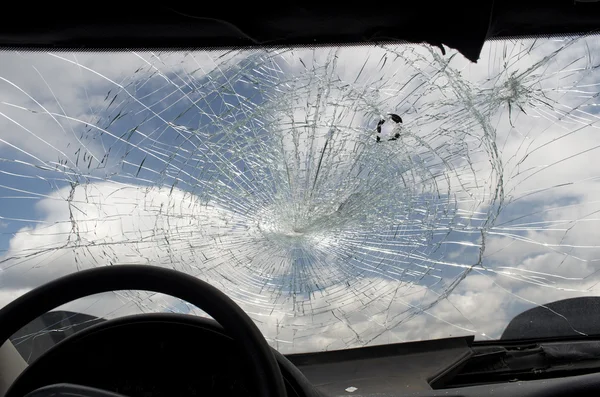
(194, 26)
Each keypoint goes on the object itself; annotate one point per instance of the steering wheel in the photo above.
(236, 323)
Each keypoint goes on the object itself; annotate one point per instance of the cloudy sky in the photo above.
(261, 173)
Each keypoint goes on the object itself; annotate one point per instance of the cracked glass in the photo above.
(343, 197)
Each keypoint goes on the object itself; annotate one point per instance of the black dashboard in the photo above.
(181, 355)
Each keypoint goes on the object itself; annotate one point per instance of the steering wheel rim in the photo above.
(215, 303)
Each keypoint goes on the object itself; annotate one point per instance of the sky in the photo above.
(260, 172)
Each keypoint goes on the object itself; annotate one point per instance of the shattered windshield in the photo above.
(343, 197)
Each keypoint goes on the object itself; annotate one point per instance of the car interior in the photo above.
(175, 354)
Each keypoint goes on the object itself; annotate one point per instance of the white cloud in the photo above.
(116, 221)
(76, 85)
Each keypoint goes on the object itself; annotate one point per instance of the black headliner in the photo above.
(233, 25)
